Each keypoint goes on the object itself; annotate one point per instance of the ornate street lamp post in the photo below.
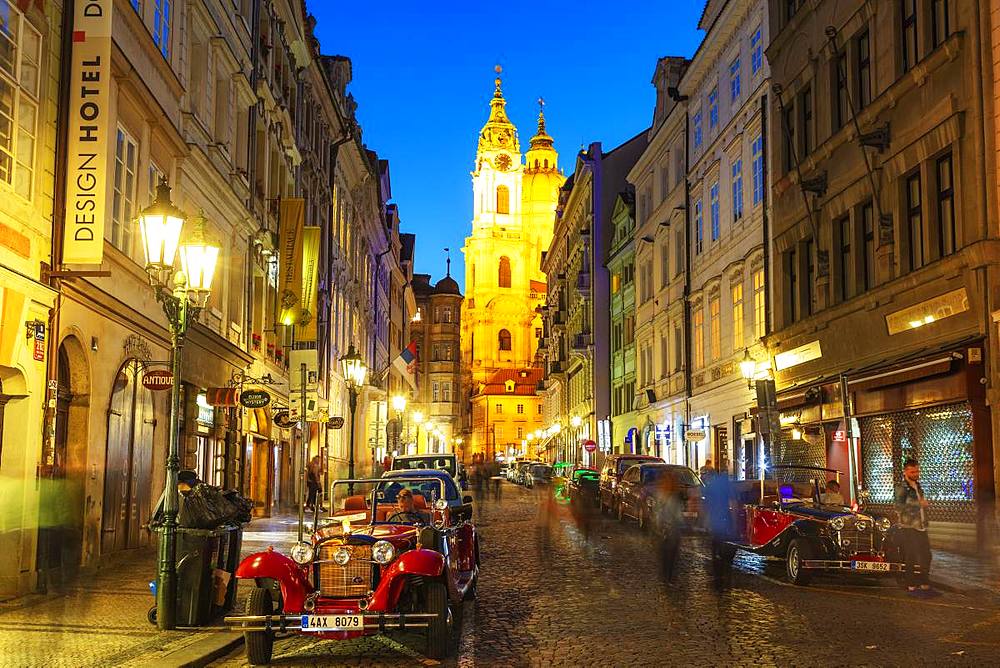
(355, 372)
(418, 419)
(399, 405)
(183, 294)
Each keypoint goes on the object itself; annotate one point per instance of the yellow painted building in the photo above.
(513, 210)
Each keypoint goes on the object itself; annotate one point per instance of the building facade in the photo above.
(508, 409)
(621, 266)
(884, 283)
(513, 207)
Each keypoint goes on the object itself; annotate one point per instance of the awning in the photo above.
(903, 374)
(222, 396)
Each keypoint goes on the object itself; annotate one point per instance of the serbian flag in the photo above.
(406, 364)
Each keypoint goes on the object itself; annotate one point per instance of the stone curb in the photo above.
(202, 652)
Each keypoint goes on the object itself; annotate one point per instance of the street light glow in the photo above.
(418, 417)
(575, 421)
(399, 403)
(160, 227)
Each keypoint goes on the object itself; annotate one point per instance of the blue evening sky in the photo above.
(423, 78)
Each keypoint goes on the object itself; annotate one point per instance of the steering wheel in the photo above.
(406, 517)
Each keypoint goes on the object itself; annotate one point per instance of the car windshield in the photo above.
(429, 462)
(354, 501)
(685, 476)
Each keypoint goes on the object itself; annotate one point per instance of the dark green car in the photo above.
(582, 485)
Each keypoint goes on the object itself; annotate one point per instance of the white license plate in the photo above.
(876, 566)
(333, 622)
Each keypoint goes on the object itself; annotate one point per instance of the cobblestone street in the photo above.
(549, 595)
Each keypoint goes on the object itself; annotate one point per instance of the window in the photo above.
(161, 26)
(939, 22)
(757, 166)
(842, 228)
(679, 246)
(713, 192)
(520, 409)
(868, 239)
(154, 175)
(664, 182)
(915, 221)
(945, 206)
(123, 199)
(737, 294)
(696, 125)
(715, 312)
(664, 264)
(699, 337)
(20, 56)
(698, 231)
(445, 391)
(864, 69)
(756, 52)
(737, 189)
(664, 356)
(539, 407)
(503, 199)
(759, 305)
(734, 80)
(678, 348)
(629, 329)
(808, 130)
(841, 109)
(908, 40)
(435, 394)
(713, 108)
(503, 277)
(810, 276)
(791, 286)
(520, 433)
(788, 128)
(503, 340)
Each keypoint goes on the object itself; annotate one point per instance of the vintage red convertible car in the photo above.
(785, 517)
(370, 568)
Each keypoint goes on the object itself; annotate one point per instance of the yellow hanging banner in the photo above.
(89, 133)
(291, 218)
(309, 297)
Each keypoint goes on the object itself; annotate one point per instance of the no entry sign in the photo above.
(589, 445)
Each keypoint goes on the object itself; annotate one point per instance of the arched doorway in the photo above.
(128, 461)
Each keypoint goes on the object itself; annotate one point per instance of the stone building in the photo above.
(884, 271)
(661, 236)
(507, 409)
(621, 266)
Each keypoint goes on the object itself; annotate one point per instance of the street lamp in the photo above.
(399, 405)
(355, 372)
(418, 419)
(748, 368)
(182, 294)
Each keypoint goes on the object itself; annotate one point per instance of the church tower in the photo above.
(514, 205)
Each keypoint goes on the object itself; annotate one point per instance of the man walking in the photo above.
(314, 478)
(912, 507)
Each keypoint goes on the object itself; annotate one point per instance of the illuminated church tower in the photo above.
(514, 205)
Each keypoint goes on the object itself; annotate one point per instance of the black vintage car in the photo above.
(789, 517)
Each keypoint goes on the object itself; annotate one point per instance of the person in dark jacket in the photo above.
(912, 507)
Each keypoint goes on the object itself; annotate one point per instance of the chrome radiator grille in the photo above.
(351, 580)
(852, 540)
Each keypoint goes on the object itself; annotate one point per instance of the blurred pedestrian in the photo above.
(831, 496)
(707, 470)
(669, 521)
(912, 507)
(720, 527)
(314, 477)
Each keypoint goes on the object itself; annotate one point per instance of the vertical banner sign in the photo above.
(89, 133)
(290, 221)
(310, 278)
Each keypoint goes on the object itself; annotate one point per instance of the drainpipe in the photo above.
(765, 219)
(687, 287)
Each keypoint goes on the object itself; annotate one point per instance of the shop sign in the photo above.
(39, 351)
(283, 419)
(840, 436)
(158, 379)
(255, 398)
(805, 353)
(694, 435)
(336, 422)
(590, 445)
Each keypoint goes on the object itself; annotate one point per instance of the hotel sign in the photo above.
(807, 353)
(89, 133)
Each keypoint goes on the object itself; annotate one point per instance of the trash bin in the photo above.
(206, 561)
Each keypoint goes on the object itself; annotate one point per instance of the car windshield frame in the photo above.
(425, 459)
(378, 490)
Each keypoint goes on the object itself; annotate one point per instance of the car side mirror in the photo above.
(467, 499)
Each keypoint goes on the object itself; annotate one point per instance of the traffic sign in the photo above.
(158, 379)
(589, 445)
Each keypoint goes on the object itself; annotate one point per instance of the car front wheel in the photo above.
(436, 603)
(798, 552)
(260, 644)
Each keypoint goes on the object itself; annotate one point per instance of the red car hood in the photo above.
(400, 535)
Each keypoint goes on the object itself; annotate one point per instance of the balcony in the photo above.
(555, 367)
(583, 282)
(583, 341)
(559, 318)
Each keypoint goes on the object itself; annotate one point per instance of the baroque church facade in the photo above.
(514, 203)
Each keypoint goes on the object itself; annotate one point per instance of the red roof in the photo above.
(525, 382)
(538, 286)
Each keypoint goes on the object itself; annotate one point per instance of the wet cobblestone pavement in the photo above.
(553, 594)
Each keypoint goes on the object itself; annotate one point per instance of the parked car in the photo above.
(783, 517)
(443, 462)
(645, 488)
(538, 474)
(582, 485)
(369, 568)
(611, 474)
(521, 473)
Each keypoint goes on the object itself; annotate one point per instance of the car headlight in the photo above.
(883, 524)
(302, 553)
(342, 556)
(440, 504)
(383, 552)
(861, 525)
(837, 523)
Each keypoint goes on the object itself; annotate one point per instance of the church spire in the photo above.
(498, 133)
(541, 140)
